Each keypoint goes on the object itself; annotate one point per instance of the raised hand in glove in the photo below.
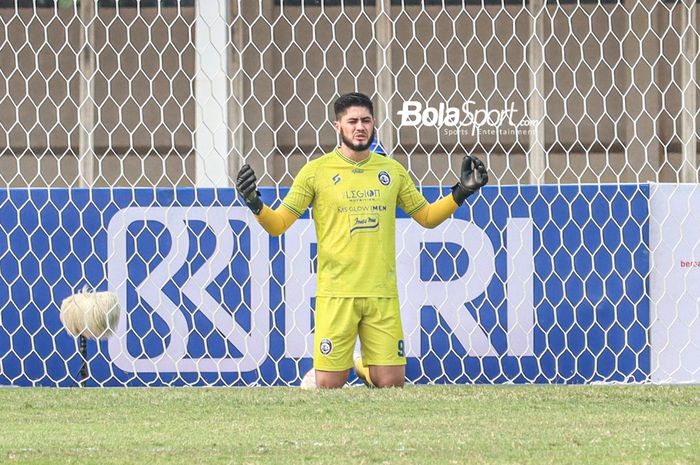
(248, 189)
(472, 178)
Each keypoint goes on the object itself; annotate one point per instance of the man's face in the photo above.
(356, 128)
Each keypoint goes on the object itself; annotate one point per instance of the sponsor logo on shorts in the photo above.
(326, 346)
(384, 178)
(363, 223)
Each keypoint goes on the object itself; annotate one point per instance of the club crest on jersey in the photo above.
(326, 346)
(336, 179)
(384, 178)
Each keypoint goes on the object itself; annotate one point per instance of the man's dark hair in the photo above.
(353, 99)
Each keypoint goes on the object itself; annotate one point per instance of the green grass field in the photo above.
(416, 425)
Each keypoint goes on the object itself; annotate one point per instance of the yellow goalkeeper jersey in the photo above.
(354, 210)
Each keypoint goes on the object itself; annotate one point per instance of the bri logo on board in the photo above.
(189, 252)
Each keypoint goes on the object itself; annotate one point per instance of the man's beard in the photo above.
(358, 147)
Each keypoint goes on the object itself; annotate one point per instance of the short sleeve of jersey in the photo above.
(301, 194)
(410, 199)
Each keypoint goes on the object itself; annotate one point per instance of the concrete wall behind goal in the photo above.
(611, 71)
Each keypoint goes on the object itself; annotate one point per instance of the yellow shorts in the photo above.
(339, 320)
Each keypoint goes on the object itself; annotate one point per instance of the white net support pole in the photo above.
(689, 86)
(537, 160)
(86, 74)
(383, 26)
(211, 93)
(640, 86)
(235, 103)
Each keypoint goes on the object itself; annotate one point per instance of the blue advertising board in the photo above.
(525, 284)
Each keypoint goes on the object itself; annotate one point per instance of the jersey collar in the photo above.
(351, 161)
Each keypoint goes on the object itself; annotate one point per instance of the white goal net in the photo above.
(123, 124)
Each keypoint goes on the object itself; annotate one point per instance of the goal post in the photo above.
(124, 122)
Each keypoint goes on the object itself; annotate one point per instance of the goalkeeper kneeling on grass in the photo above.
(354, 194)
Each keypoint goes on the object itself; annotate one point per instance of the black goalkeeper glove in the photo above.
(472, 178)
(246, 187)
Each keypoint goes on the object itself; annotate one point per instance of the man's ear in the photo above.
(336, 125)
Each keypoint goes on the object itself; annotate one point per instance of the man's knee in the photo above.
(331, 379)
(387, 376)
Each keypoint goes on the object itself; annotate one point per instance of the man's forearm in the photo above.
(435, 213)
(276, 221)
